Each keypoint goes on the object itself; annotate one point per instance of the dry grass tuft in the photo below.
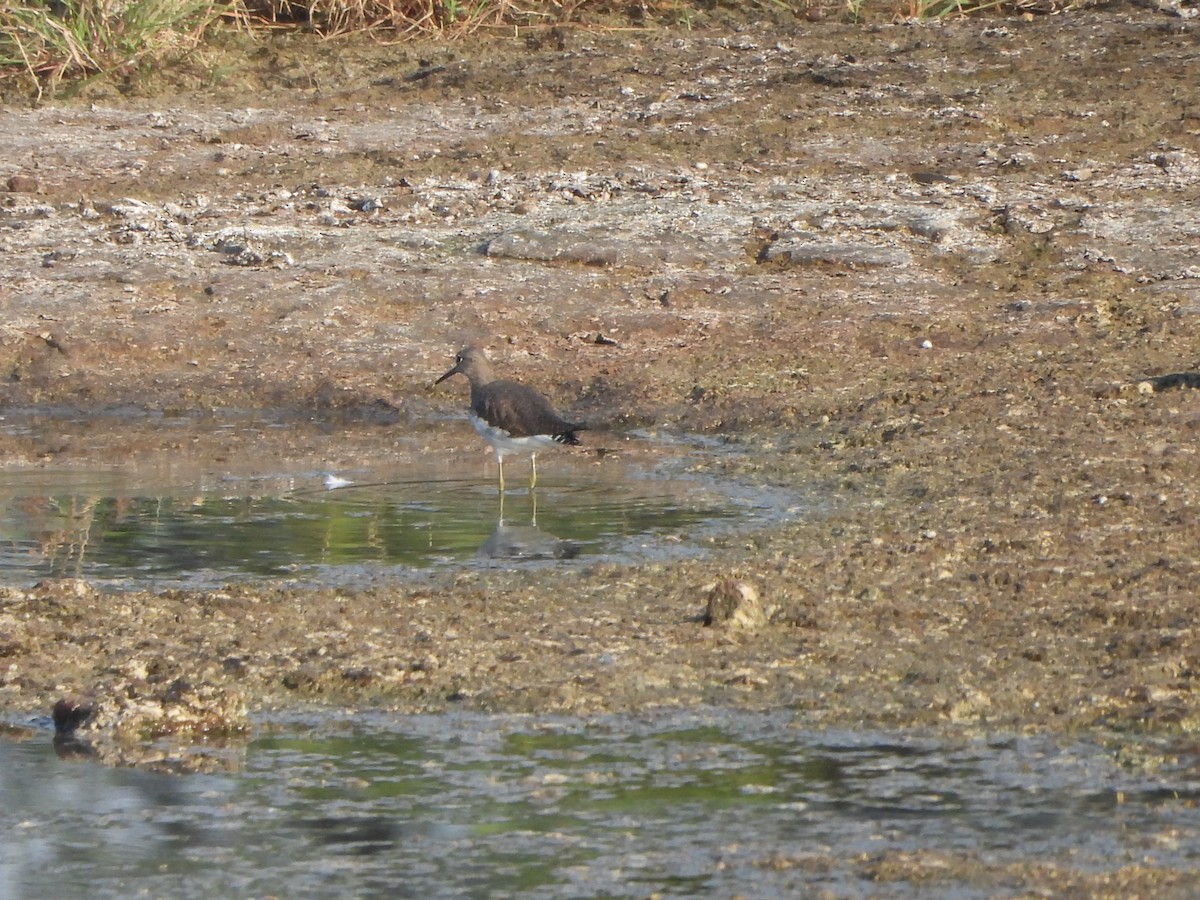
(445, 17)
(48, 41)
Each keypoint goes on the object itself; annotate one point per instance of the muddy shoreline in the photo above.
(933, 270)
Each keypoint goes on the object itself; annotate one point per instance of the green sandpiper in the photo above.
(510, 416)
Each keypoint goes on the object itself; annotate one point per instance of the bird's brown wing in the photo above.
(522, 412)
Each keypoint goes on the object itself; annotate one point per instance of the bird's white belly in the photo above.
(505, 443)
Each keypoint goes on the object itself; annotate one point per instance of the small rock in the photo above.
(359, 675)
(64, 587)
(928, 178)
(798, 250)
(559, 246)
(734, 603)
(23, 184)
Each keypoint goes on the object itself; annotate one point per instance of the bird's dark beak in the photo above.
(453, 371)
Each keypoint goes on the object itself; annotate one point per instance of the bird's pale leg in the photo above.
(533, 470)
(500, 466)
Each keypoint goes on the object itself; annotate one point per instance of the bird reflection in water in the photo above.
(525, 541)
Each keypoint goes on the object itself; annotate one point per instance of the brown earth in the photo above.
(943, 276)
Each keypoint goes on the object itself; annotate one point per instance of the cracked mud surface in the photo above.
(943, 275)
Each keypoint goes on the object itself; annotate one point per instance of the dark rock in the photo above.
(70, 713)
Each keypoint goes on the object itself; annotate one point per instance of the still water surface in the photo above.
(472, 805)
(121, 528)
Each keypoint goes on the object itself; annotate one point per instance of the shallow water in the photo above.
(120, 527)
(510, 806)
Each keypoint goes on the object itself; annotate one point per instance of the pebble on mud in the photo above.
(733, 603)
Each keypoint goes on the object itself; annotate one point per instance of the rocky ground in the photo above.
(945, 276)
